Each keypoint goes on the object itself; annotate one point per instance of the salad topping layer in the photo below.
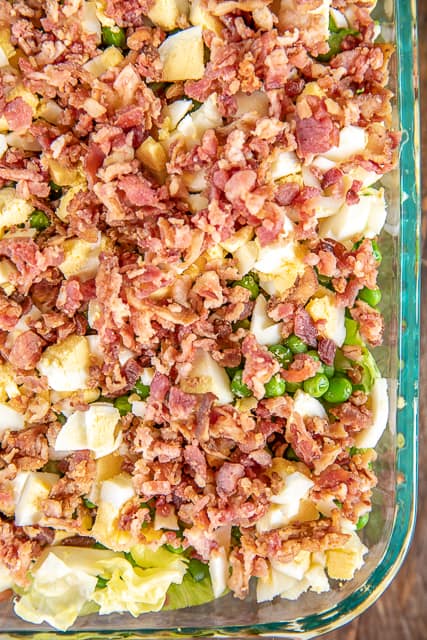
(189, 222)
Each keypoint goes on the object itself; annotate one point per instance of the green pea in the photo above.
(88, 504)
(313, 354)
(317, 385)
(238, 387)
(113, 36)
(101, 583)
(173, 549)
(143, 390)
(362, 522)
(376, 251)
(61, 418)
(55, 191)
(275, 387)
(340, 389)
(231, 371)
(295, 344)
(123, 405)
(39, 220)
(371, 296)
(282, 353)
(290, 454)
(249, 281)
(291, 387)
(198, 570)
(328, 370)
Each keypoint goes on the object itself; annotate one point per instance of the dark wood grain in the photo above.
(401, 613)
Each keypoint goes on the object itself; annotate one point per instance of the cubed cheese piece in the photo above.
(332, 316)
(165, 13)
(342, 563)
(13, 210)
(200, 16)
(90, 22)
(284, 163)
(81, 258)
(379, 405)
(36, 489)
(307, 406)
(218, 570)
(113, 496)
(111, 57)
(57, 594)
(95, 429)
(182, 55)
(207, 376)
(66, 364)
(10, 419)
(265, 330)
(352, 141)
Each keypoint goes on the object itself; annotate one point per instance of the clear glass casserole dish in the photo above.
(390, 528)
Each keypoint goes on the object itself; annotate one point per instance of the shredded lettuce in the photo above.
(367, 361)
(189, 593)
(336, 37)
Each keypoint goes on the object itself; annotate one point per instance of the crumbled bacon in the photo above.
(371, 322)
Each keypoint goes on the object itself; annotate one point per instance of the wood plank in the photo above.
(401, 613)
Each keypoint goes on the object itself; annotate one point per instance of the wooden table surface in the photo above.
(401, 613)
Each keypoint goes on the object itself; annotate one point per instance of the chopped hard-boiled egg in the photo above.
(8, 386)
(182, 55)
(265, 330)
(81, 258)
(36, 489)
(352, 140)
(193, 125)
(291, 502)
(153, 156)
(10, 419)
(219, 571)
(166, 522)
(237, 239)
(90, 21)
(256, 102)
(366, 218)
(66, 364)
(57, 593)
(175, 111)
(295, 569)
(206, 375)
(61, 210)
(307, 406)
(13, 210)
(114, 493)
(379, 405)
(200, 16)
(246, 256)
(325, 309)
(94, 429)
(111, 57)
(106, 468)
(166, 13)
(342, 563)
(284, 163)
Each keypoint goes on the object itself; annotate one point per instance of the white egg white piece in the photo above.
(66, 364)
(379, 405)
(352, 140)
(35, 489)
(10, 419)
(265, 330)
(218, 569)
(307, 406)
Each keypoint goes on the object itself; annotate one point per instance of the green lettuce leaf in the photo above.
(367, 361)
(189, 593)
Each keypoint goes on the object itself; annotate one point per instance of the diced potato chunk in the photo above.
(182, 55)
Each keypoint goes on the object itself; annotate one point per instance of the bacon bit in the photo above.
(227, 478)
(327, 349)
(196, 460)
(70, 296)
(138, 191)
(260, 365)
(315, 135)
(301, 368)
(26, 351)
(302, 442)
(239, 185)
(286, 193)
(181, 405)
(304, 328)
(371, 322)
(18, 114)
(10, 312)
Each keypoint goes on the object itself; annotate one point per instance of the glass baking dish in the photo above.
(389, 530)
